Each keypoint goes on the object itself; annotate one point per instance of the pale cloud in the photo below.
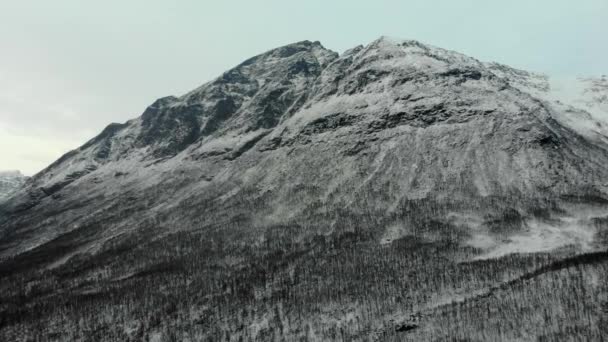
(41, 118)
(32, 153)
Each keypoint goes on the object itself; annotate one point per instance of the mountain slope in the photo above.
(10, 182)
(294, 177)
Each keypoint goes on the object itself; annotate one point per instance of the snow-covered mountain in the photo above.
(302, 154)
(10, 182)
(580, 103)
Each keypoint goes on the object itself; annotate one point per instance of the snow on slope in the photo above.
(10, 182)
(375, 129)
(578, 102)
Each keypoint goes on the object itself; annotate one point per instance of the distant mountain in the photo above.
(10, 182)
(396, 191)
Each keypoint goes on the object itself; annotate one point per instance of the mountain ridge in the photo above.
(395, 163)
(216, 120)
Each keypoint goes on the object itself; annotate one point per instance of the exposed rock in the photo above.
(300, 161)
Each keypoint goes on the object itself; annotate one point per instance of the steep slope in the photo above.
(579, 103)
(10, 182)
(382, 158)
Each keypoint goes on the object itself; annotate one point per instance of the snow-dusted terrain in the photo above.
(10, 182)
(295, 176)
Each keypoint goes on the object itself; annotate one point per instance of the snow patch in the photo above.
(539, 237)
(392, 233)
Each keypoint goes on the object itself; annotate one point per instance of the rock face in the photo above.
(10, 182)
(282, 186)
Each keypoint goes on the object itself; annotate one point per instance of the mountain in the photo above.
(396, 191)
(10, 182)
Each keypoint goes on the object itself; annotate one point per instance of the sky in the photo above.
(68, 68)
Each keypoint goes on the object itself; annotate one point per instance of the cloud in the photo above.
(30, 153)
(43, 115)
(37, 128)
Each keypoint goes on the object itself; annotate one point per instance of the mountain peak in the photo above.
(408, 53)
(298, 46)
(299, 165)
(272, 99)
(391, 40)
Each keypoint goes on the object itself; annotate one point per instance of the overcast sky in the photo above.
(69, 68)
